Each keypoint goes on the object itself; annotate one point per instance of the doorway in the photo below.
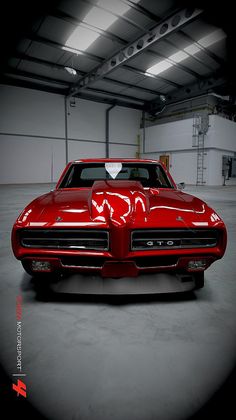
(166, 160)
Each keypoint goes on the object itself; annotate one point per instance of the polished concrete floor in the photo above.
(121, 359)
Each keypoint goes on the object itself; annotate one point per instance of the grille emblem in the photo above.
(160, 243)
(59, 219)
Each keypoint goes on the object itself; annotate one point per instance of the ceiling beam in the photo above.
(96, 58)
(39, 61)
(163, 29)
(54, 44)
(141, 9)
(196, 89)
(90, 97)
(152, 76)
(131, 86)
(29, 75)
(177, 65)
(31, 59)
(114, 38)
(13, 81)
(157, 19)
(117, 95)
(46, 79)
(204, 49)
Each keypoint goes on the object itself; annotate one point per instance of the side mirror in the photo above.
(181, 185)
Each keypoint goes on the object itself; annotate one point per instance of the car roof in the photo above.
(97, 160)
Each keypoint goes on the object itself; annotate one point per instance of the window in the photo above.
(83, 175)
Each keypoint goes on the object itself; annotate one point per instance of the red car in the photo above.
(120, 218)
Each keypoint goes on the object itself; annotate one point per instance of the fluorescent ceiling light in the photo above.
(160, 67)
(192, 49)
(83, 37)
(212, 38)
(182, 55)
(179, 56)
(99, 18)
(73, 50)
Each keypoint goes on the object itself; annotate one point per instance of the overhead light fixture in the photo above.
(72, 50)
(182, 55)
(70, 70)
(81, 38)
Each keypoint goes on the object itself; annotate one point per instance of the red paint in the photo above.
(20, 388)
(120, 207)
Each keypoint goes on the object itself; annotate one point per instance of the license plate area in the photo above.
(118, 269)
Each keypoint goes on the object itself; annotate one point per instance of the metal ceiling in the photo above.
(113, 69)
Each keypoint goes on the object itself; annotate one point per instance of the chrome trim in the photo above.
(65, 247)
(81, 266)
(48, 245)
(170, 235)
(157, 266)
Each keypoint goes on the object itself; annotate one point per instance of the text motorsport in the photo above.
(20, 386)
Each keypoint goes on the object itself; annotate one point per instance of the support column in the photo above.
(108, 129)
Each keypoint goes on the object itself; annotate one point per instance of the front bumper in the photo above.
(118, 268)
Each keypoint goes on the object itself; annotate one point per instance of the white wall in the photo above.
(171, 136)
(222, 133)
(32, 133)
(26, 111)
(175, 140)
(182, 165)
(30, 159)
(215, 172)
(123, 125)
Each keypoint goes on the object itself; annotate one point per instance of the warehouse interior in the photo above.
(148, 79)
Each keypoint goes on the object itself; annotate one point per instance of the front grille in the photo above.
(173, 239)
(65, 239)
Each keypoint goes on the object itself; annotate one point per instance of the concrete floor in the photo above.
(120, 359)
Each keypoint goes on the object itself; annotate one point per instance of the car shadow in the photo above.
(43, 292)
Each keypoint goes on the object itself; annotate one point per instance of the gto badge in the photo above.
(59, 219)
(161, 243)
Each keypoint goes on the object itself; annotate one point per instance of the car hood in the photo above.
(118, 203)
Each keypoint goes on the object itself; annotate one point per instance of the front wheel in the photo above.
(199, 280)
(42, 281)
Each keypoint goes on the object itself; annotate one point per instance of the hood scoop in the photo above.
(118, 202)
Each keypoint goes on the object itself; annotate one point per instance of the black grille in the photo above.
(65, 239)
(145, 262)
(83, 261)
(173, 239)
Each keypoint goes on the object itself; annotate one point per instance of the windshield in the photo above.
(83, 175)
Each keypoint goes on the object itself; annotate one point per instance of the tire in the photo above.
(199, 280)
(27, 268)
(42, 282)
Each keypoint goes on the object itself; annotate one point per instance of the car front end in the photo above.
(119, 228)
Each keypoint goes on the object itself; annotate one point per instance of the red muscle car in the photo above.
(119, 218)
